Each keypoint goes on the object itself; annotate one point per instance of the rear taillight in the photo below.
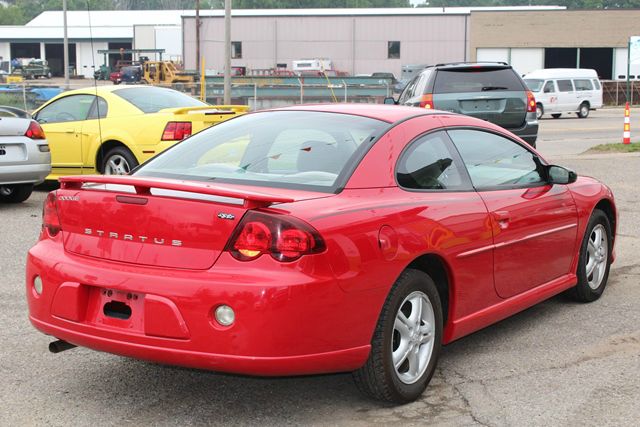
(427, 101)
(34, 131)
(531, 102)
(284, 238)
(50, 219)
(176, 131)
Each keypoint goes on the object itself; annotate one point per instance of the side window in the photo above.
(68, 109)
(429, 164)
(421, 84)
(495, 162)
(408, 90)
(583, 84)
(98, 109)
(565, 86)
(549, 87)
(596, 84)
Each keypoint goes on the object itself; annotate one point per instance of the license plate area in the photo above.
(112, 308)
(12, 152)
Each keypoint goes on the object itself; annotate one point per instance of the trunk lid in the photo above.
(13, 148)
(156, 222)
(206, 116)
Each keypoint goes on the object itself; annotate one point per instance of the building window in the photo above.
(393, 50)
(236, 50)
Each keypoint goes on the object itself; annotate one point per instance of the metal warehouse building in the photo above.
(356, 40)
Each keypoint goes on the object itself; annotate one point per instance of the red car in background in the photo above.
(317, 239)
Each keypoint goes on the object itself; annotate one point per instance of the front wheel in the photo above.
(406, 343)
(118, 161)
(583, 112)
(16, 193)
(595, 259)
(539, 111)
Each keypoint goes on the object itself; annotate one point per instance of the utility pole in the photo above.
(227, 52)
(65, 47)
(198, 36)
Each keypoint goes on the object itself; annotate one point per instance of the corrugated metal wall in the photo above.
(356, 44)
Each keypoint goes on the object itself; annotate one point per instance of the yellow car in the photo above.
(112, 129)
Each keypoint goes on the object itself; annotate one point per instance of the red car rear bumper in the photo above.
(288, 322)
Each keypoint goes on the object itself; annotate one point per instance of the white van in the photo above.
(565, 90)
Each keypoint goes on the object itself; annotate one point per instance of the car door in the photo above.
(550, 97)
(567, 100)
(90, 133)
(62, 123)
(534, 223)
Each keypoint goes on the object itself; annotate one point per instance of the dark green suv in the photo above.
(489, 91)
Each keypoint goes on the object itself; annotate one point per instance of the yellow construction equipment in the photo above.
(165, 72)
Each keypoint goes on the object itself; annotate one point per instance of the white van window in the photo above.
(596, 83)
(549, 87)
(583, 84)
(565, 86)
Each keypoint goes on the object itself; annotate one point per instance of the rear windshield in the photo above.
(153, 99)
(534, 84)
(290, 149)
(476, 80)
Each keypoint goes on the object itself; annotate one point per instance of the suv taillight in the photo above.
(34, 131)
(531, 102)
(176, 131)
(427, 101)
(50, 219)
(285, 238)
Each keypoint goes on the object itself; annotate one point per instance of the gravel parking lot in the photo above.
(559, 363)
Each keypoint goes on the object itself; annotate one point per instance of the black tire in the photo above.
(539, 111)
(378, 377)
(16, 193)
(121, 156)
(583, 110)
(583, 292)
(556, 115)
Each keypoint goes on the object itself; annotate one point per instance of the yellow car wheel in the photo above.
(118, 161)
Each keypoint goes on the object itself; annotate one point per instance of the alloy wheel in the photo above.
(597, 256)
(117, 165)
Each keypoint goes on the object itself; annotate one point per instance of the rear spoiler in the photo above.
(143, 187)
(211, 109)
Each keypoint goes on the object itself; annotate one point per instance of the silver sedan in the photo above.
(25, 159)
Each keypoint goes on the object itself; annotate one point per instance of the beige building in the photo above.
(530, 40)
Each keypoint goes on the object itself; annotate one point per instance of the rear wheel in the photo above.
(539, 111)
(583, 111)
(556, 115)
(15, 193)
(406, 342)
(118, 161)
(595, 259)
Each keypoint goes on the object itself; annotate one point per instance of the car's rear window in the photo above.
(476, 80)
(291, 149)
(153, 99)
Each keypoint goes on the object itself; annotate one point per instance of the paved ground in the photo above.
(559, 363)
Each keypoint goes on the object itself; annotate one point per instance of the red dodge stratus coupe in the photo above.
(317, 239)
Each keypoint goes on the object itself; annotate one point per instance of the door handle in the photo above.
(502, 218)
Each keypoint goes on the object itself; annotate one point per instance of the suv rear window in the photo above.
(476, 80)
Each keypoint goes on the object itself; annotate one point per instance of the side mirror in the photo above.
(390, 100)
(560, 175)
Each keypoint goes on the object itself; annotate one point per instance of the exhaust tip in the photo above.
(60, 346)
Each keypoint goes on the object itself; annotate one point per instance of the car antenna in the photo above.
(95, 86)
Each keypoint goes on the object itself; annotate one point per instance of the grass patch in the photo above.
(615, 148)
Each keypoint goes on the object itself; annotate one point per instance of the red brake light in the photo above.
(531, 102)
(427, 101)
(176, 131)
(50, 219)
(34, 131)
(283, 237)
